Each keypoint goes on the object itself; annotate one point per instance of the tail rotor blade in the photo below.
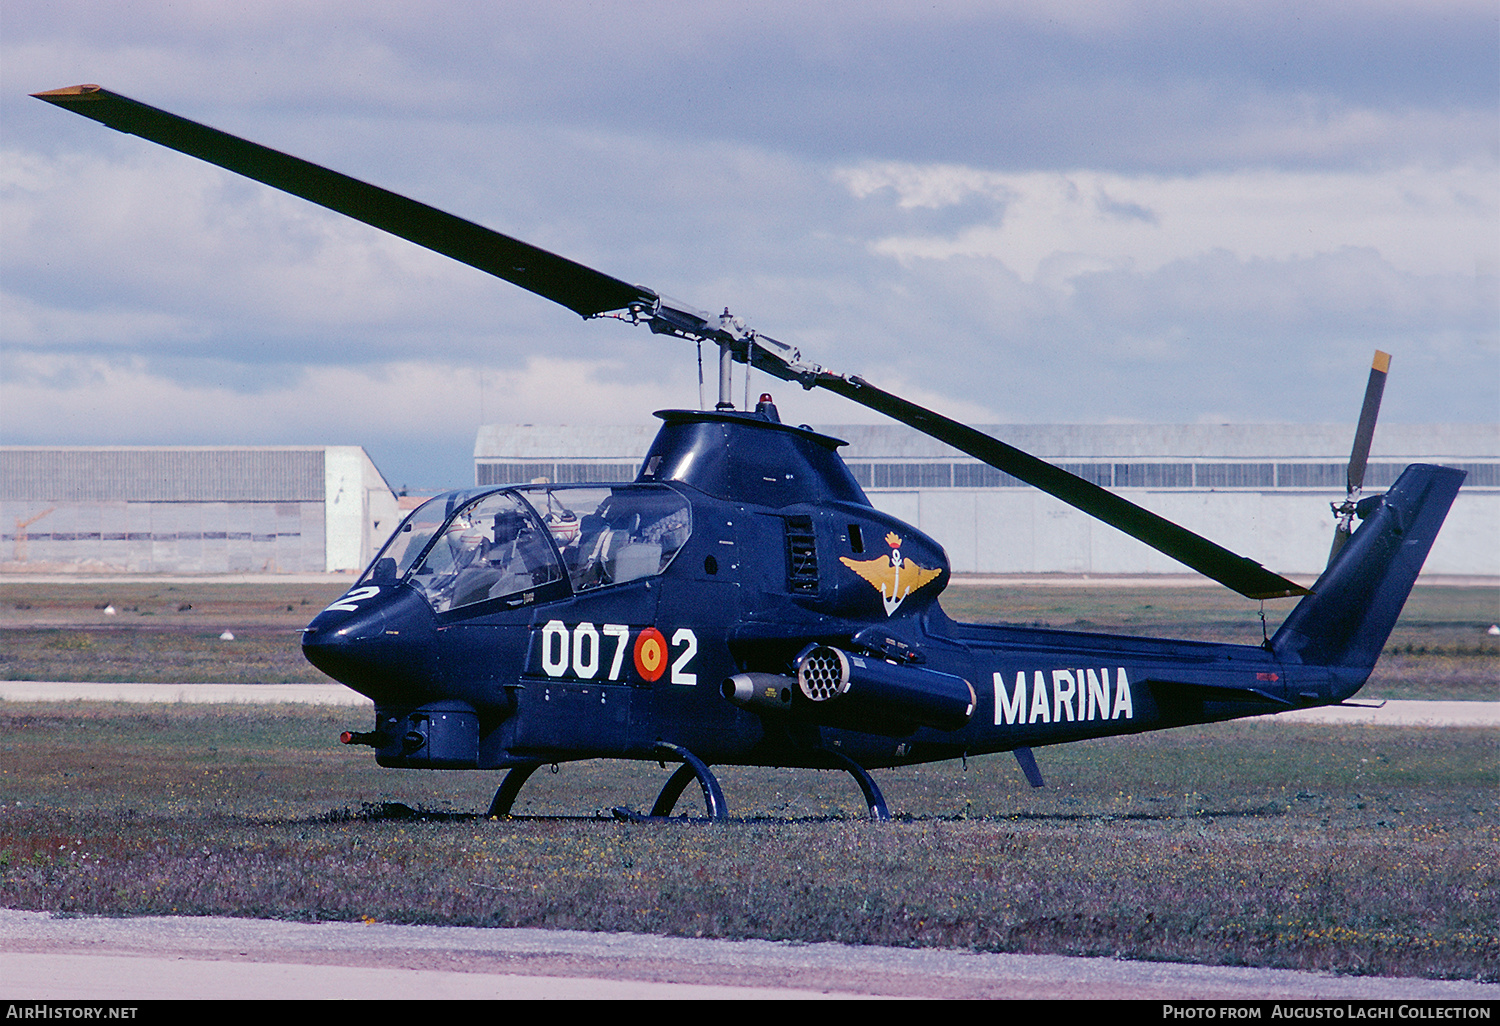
(1359, 456)
(1341, 532)
(1374, 389)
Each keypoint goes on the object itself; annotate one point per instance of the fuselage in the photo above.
(541, 623)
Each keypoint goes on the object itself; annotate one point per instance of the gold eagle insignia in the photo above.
(894, 576)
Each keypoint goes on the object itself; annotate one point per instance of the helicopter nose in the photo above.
(371, 642)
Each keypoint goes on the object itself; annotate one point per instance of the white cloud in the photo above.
(37, 326)
(99, 399)
(1420, 220)
(1037, 252)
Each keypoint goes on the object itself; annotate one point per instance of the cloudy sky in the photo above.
(1015, 211)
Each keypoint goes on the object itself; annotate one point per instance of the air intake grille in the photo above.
(801, 556)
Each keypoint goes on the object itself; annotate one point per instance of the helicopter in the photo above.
(741, 602)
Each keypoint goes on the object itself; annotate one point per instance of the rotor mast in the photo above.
(737, 341)
(726, 374)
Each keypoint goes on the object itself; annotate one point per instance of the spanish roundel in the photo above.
(650, 654)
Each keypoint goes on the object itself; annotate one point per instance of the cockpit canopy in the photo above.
(509, 547)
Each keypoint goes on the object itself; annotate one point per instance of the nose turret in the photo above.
(376, 639)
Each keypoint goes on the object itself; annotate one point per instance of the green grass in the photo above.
(160, 633)
(177, 655)
(1357, 850)
(210, 602)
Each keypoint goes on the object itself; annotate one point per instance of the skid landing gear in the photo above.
(692, 767)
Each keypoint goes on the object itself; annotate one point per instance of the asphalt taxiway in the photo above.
(83, 958)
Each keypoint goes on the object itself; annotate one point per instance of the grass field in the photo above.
(1357, 850)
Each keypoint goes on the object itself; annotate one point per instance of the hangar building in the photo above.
(191, 510)
(1262, 490)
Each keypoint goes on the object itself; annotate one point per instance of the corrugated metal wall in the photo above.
(162, 475)
(163, 510)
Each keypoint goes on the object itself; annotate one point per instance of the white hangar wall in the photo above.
(991, 532)
(191, 509)
(1262, 490)
(359, 508)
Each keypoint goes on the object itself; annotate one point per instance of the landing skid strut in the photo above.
(509, 788)
(692, 766)
(873, 798)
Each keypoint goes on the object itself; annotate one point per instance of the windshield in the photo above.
(492, 548)
(506, 545)
(408, 542)
(613, 535)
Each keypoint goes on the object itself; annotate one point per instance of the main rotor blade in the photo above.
(589, 292)
(1245, 576)
(581, 289)
(1374, 389)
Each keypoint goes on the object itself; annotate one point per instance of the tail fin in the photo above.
(1349, 615)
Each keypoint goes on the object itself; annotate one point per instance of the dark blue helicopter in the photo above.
(742, 603)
